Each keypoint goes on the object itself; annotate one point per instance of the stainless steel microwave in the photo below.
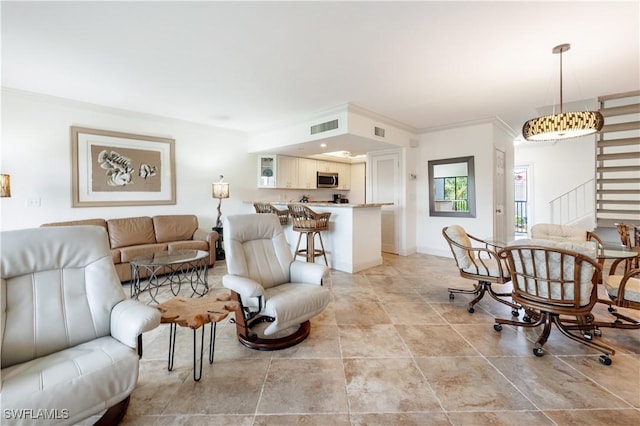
(327, 180)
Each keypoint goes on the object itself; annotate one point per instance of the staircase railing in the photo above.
(576, 206)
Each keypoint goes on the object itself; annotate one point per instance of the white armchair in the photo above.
(69, 334)
(271, 287)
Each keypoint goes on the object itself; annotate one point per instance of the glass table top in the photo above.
(169, 258)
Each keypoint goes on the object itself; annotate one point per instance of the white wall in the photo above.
(36, 152)
(555, 169)
(357, 194)
(476, 140)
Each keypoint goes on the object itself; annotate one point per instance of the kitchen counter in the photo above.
(354, 239)
(330, 204)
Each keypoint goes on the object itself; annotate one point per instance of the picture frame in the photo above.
(112, 169)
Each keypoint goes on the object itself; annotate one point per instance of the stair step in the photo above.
(618, 211)
(620, 127)
(620, 110)
(620, 180)
(625, 202)
(618, 156)
(608, 169)
(618, 142)
(617, 191)
(621, 95)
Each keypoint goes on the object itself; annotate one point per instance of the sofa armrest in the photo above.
(245, 287)
(210, 237)
(305, 272)
(130, 318)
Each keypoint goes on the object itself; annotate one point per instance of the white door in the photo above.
(499, 225)
(385, 188)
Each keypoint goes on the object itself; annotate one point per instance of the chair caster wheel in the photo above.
(471, 309)
(597, 332)
(538, 351)
(451, 296)
(611, 309)
(617, 321)
(497, 327)
(515, 312)
(605, 360)
(587, 336)
(526, 318)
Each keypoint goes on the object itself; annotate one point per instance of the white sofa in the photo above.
(69, 334)
(562, 233)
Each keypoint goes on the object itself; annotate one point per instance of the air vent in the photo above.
(324, 127)
(378, 131)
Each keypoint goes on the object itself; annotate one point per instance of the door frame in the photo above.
(396, 155)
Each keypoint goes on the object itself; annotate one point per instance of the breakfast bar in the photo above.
(354, 239)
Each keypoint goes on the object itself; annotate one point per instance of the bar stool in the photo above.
(283, 215)
(309, 223)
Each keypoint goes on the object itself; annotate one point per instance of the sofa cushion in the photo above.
(116, 256)
(82, 380)
(631, 288)
(129, 253)
(174, 227)
(556, 232)
(188, 245)
(131, 231)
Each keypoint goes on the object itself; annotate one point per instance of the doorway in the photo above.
(521, 197)
(385, 188)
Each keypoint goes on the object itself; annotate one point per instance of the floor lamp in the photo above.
(219, 190)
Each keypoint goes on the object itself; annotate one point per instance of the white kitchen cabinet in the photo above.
(327, 166)
(267, 169)
(344, 175)
(307, 169)
(287, 173)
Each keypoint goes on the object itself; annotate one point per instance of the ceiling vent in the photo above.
(378, 131)
(324, 127)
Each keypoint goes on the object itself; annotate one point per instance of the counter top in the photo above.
(326, 204)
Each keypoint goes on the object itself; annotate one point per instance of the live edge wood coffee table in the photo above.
(195, 313)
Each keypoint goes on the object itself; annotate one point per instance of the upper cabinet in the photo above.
(327, 166)
(267, 168)
(285, 172)
(307, 169)
(344, 175)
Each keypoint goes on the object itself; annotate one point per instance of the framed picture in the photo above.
(121, 169)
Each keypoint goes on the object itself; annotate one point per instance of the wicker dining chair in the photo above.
(630, 238)
(477, 260)
(283, 215)
(623, 291)
(559, 282)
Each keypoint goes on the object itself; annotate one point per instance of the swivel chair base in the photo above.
(479, 291)
(266, 344)
(252, 340)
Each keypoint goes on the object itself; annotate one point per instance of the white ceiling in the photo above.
(252, 65)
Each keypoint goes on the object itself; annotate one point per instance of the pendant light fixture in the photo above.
(565, 125)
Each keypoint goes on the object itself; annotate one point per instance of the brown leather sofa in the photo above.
(138, 236)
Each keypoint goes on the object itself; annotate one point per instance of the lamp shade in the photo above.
(5, 185)
(220, 190)
(563, 126)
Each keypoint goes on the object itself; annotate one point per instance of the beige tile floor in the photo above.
(392, 349)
